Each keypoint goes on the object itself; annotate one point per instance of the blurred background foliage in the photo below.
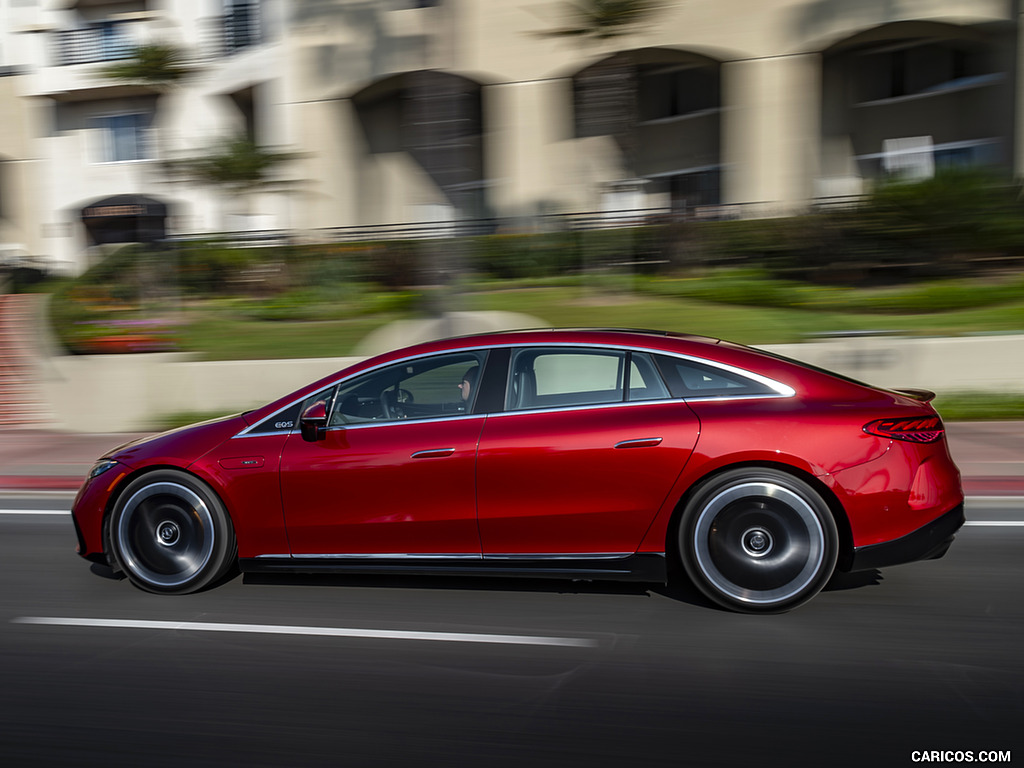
(944, 255)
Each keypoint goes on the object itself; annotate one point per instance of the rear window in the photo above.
(690, 379)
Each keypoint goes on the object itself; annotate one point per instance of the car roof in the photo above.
(784, 370)
(630, 337)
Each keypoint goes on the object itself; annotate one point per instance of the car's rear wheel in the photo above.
(170, 533)
(758, 540)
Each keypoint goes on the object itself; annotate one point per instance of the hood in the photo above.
(178, 447)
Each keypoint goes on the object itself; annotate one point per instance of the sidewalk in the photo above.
(990, 456)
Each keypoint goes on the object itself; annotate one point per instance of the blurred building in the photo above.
(407, 111)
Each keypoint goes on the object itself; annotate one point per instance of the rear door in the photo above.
(584, 455)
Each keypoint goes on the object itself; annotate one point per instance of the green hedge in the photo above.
(912, 244)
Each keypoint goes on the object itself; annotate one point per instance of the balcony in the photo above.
(237, 30)
(77, 57)
(109, 41)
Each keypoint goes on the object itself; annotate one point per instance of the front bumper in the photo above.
(88, 509)
(928, 542)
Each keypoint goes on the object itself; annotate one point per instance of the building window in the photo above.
(124, 137)
(913, 69)
(674, 91)
(690, 191)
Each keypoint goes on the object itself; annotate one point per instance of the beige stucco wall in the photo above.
(20, 231)
(318, 55)
(770, 51)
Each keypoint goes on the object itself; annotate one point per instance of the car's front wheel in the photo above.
(757, 540)
(170, 533)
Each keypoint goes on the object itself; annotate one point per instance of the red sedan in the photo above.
(583, 454)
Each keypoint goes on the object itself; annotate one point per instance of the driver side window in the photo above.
(431, 387)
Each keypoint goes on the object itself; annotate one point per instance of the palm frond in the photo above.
(605, 19)
(237, 164)
(154, 64)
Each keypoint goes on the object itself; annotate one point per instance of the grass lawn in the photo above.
(745, 324)
(222, 336)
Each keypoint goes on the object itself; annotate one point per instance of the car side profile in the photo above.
(582, 454)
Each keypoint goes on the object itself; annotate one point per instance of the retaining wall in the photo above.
(125, 393)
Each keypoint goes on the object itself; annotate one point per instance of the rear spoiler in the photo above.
(922, 395)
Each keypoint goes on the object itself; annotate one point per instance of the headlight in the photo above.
(101, 466)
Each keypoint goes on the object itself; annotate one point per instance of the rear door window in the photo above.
(556, 378)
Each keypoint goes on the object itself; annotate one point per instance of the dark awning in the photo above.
(120, 206)
(125, 219)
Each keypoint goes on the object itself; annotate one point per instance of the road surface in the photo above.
(347, 671)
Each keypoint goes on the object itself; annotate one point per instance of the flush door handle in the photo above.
(640, 442)
(433, 453)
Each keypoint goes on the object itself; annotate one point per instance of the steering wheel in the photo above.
(392, 402)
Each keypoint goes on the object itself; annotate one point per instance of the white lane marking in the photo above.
(274, 629)
(997, 523)
(34, 512)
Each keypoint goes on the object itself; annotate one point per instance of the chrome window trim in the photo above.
(401, 422)
(781, 390)
(629, 404)
(365, 424)
(591, 407)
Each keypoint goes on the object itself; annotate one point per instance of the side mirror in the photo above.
(313, 422)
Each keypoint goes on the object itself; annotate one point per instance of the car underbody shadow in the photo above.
(466, 583)
(106, 572)
(853, 580)
(679, 588)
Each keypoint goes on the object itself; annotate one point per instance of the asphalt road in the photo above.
(445, 672)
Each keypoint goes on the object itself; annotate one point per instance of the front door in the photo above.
(394, 474)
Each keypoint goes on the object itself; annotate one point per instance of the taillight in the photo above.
(924, 429)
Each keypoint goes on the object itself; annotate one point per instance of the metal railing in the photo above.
(237, 30)
(109, 42)
(421, 230)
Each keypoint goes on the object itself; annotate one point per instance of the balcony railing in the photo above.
(236, 30)
(108, 42)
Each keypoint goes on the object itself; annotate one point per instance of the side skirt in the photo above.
(648, 567)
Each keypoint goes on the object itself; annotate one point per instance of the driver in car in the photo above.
(468, 382)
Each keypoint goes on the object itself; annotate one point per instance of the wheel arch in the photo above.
(835, 507)
(128, 479)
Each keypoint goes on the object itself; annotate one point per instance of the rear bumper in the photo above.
(926, 543)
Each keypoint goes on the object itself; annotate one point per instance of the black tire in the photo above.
(758, 540)
(170, 533)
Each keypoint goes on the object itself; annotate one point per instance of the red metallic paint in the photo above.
(251, 493)
(554, 482)
(809, 439)
(879, 498)
(363, 490)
